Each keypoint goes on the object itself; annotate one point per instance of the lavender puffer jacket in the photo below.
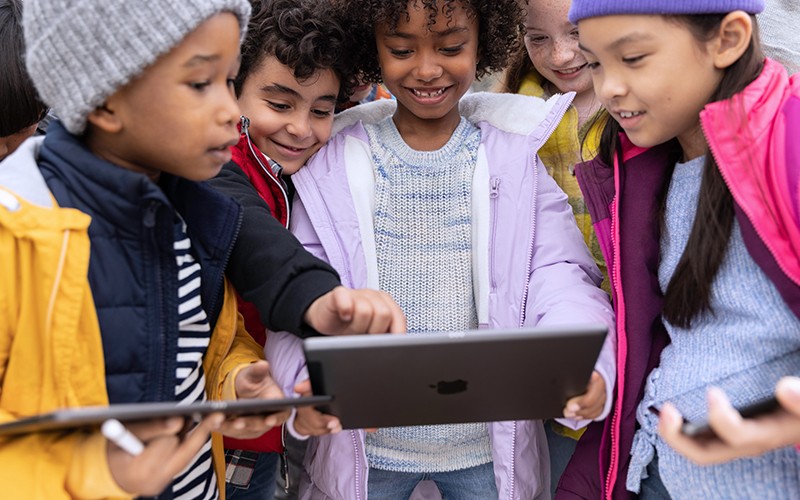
(531, 268)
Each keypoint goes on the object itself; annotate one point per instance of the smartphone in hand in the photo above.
(701, 428)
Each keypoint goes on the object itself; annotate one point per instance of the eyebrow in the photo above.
(530, 27)
(201, 59)
(282, 89)
(449, 31)
(616, 44)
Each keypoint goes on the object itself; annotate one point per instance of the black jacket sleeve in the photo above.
(268, 266)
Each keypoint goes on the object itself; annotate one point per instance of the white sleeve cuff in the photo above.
(290, 427)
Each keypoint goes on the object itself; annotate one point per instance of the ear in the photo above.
(735, 33)
(104, 118)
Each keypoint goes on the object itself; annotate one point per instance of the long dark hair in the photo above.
(689, 291)
(21, 103)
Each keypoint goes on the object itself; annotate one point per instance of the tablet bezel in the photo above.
(94, 416)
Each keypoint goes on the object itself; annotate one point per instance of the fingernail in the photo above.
(791, 386)
(716, 396)
(573, 407)
(668, 413)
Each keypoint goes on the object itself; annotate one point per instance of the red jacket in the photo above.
(262, 174)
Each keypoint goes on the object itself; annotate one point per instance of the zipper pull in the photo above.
(494, 190)
(150, 214)
(285, 471)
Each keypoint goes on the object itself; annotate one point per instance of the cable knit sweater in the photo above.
(423, 238)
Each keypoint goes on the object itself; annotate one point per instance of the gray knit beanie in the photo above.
(79, 52)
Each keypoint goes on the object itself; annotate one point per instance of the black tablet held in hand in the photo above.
(453, 377)
(701, 427)
(94, 416)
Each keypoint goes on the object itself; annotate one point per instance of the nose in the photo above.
(608, 86)
(299, 126)
(229, 110)
(428, 69)
(563, 52)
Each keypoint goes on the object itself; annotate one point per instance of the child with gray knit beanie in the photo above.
(113, 285)
(694, 192)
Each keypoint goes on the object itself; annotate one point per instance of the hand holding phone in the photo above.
(703, 428)
(735, 436)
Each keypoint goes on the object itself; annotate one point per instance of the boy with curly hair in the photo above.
(440, 199)
(294, 70)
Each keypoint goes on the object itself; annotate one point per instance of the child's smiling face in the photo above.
(552, 44)
(179, 116)
(653, 76)
(290, 119)
(428, 68)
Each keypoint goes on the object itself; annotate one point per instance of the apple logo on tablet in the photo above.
(450, 386)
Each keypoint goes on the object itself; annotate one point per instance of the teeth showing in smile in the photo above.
(569, 71)
(630, 114)
(428, 95)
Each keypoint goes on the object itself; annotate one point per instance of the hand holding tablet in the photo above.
(118, 434)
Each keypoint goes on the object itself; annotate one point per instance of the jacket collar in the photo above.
(761, 102)
(93, 183)
(512, 113)
(125, 198)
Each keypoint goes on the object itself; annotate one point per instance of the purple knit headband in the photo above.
(581, 9)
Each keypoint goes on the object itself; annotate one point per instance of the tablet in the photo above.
(94, 416)
(452, 377)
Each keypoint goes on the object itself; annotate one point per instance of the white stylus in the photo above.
(115, 432)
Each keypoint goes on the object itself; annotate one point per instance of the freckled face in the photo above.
(552, 45)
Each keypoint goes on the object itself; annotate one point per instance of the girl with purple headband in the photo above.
(694, 197)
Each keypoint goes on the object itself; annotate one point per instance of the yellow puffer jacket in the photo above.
(51, 355)
(560, 154)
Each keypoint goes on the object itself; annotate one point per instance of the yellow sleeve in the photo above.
(89, 478)
(32, 371)
(231, 350)
(57, 466)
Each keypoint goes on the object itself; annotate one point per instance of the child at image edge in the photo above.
(147, 110)
(22, 108)
(694, 195)
(450, 211)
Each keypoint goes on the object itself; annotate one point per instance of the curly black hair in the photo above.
(305, 35)
(500, 28)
